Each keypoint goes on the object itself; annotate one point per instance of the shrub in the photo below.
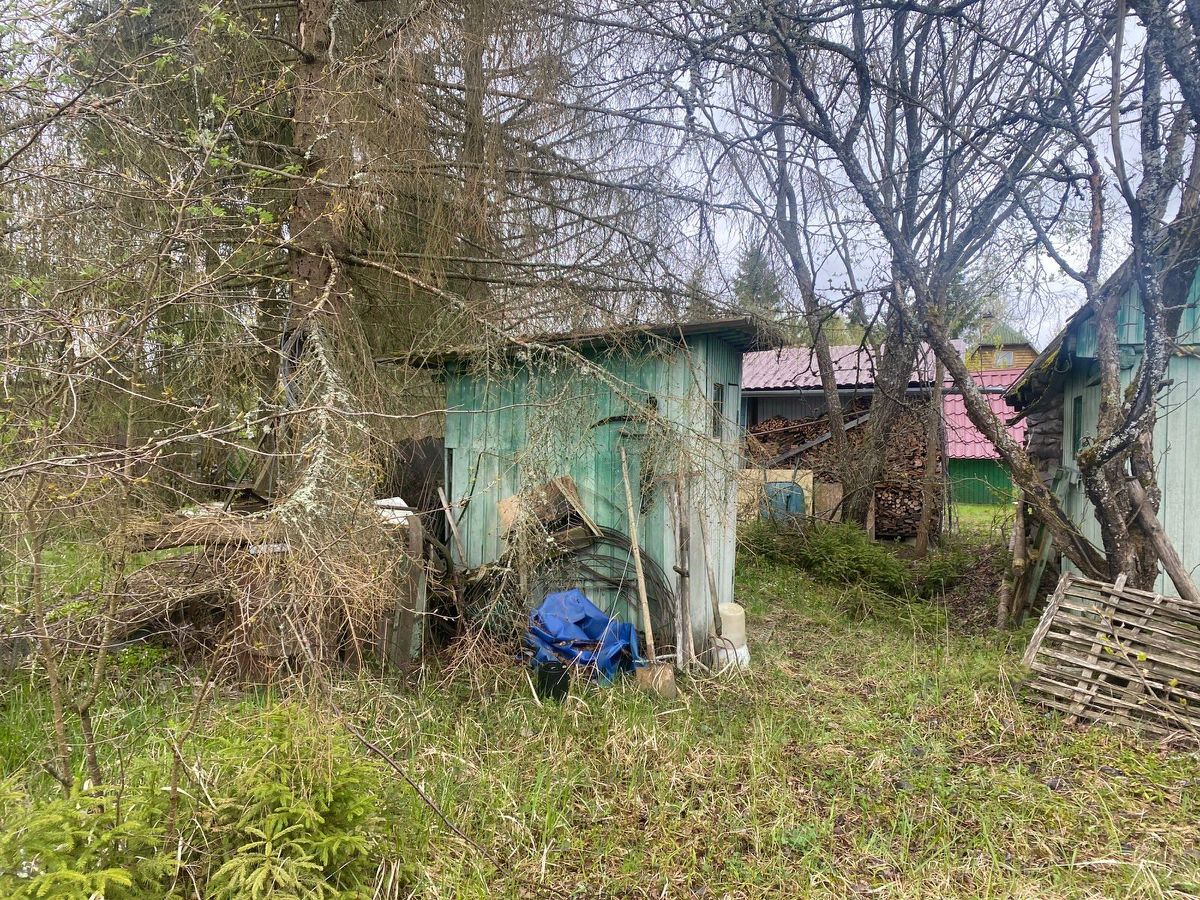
(297, 814)
(763, 541)
(279, 804)
(89, 845)
(843, 554)
(945, 568)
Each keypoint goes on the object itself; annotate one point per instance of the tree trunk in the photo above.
(893, 371)
(316, 282)
(788, 230)
(933, 458)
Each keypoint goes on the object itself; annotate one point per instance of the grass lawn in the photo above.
(983, 518)
(878, 758)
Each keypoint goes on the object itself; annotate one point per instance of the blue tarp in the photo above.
(569, 628)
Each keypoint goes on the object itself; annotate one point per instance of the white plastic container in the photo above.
(726, 657)
(733, 624)
(730, 650)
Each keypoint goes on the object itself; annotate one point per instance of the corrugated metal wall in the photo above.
(517, 426)
(980, 481)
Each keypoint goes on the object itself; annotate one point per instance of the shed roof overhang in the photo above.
(1046, 371)
(743, 333)
(1044, 374)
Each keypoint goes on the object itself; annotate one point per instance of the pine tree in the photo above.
(756, 286)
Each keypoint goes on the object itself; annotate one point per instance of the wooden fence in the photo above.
(1107, 653)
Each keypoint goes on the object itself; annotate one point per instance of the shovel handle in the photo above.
(637, 559)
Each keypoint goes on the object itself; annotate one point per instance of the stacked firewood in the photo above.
(897, 493)
(777, 436)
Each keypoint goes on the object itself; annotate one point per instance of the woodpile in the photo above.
(178, 602)
(1107, 653)
(897, 493)
(777, 436)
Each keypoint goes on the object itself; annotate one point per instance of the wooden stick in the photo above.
(1043, 627)
(453, 523)
(713, 597)
(682, 545)
(637, 559)
(1010, 590)
(1020, 560)
(1176, 570)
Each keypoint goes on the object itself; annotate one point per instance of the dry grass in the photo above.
(878, 758)
(858, 758)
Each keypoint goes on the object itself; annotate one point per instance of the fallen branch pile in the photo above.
(1107, 653)
(241, 592)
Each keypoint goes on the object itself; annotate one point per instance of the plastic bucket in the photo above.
(552, 681)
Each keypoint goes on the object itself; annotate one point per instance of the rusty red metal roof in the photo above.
(795, 368)
(963, 439)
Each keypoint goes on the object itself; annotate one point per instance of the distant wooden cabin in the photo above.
(1059, 394)
(1000, 346)
(564, 408)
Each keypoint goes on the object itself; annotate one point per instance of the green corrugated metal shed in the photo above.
(1069, 365)
(570, 406)
(980, 481)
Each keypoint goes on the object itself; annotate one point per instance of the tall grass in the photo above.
(876, 757)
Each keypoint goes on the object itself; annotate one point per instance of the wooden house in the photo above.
(1059, 394)
(999, 346)
(533, 441)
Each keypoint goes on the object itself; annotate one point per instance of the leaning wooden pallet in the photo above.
(1110, 653)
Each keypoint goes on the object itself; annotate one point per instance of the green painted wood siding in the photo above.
(1176, 444)
(980, 481)
(516, 426)
(1131, 330)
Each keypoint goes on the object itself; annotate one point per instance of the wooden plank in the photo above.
(1027, 592)
(1039, 633)
(1150, 635)
(1061, 697)
(1131, 657)
(1183, 636)
(1085, 688)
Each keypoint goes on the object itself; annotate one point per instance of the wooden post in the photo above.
(1010, 592)
(714, 596)
(683, 551)
(933, 460)
(637, 559)
(1161, 542)
(1020, 561)
(453, 525)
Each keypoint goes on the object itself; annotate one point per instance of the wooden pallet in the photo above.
(1107, 653)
